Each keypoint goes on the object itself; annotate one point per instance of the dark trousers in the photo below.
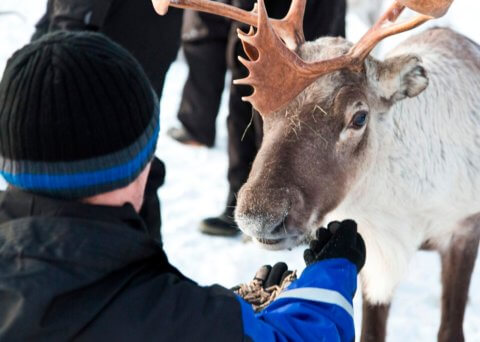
(152, 39)
(204, 43)
(205, 52)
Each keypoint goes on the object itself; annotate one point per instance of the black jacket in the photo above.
(75, 271)
(72, 271)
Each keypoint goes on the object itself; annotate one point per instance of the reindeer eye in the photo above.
(359, 119)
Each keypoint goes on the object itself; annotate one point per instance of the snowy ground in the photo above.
(196, 187)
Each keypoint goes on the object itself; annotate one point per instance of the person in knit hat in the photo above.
(80, 254)
(78, 117)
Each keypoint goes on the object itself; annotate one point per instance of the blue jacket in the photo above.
(72, 271)
(316, 307)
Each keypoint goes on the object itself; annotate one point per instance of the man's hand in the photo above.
(267, 284)
(270, 276)
(340, 240)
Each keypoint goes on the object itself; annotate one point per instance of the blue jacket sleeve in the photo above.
(316, 307)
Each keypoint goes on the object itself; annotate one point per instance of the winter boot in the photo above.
(222, 225)
(183, 136)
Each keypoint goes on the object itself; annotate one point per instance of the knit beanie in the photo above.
(78, 116)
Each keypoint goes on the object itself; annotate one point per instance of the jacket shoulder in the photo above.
(169, 308)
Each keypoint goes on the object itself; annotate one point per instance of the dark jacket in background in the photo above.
(154, 40)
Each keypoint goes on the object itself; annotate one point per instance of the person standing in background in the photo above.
(204, 43)
(153, 40)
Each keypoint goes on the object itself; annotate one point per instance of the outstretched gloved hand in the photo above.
(272, 276)
(267, 284)
(339, 240)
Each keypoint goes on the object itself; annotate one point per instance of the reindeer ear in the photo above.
(400, 77)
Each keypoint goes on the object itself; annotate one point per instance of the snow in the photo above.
(196, 188)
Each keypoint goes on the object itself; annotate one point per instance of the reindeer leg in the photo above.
(374, 322)
(457, 267)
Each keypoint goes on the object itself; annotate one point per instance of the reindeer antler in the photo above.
(276, 73)
(289, 29)
(436, 8)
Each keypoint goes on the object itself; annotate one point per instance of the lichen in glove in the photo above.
(260, 296)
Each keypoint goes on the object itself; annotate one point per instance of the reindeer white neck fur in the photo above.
(422, 185)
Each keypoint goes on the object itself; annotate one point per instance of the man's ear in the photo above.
(400, 77)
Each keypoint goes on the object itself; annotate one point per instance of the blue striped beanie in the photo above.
(78, 116)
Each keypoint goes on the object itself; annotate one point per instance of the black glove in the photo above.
(270, 276)
(340, 240)
(267, 284)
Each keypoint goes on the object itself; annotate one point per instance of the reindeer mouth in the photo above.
(276, 244)
(277, 238)
(270, 242)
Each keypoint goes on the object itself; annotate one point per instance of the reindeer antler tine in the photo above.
(297, 11)
(241, 33)
(295, 17)
(208, 6)
(242, 81)
(434, 8)
(247, 40)
(262, 15)
(244, 61)
(161, 6)
(289, 29)
(246, 37)
(383, 28)
(248, 98)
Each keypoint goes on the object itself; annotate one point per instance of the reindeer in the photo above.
(393, 144)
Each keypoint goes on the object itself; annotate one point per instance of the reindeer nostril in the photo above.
(280, 228)
(277, 229)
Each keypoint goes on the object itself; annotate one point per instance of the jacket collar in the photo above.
(99, 238)
(17, 204)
